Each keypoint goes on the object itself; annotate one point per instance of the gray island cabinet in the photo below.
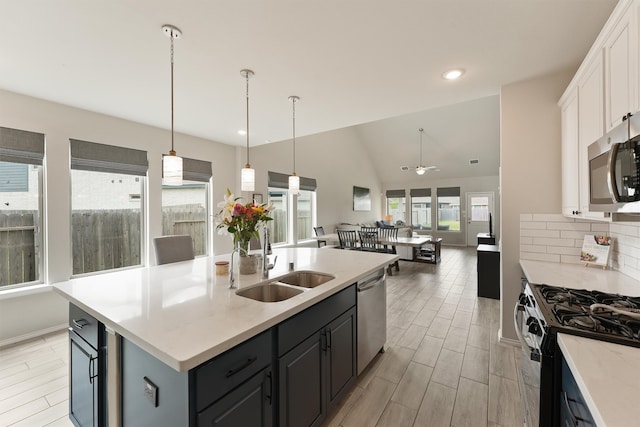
(182, 349)
(313, 354)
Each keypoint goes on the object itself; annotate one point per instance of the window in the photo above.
(184, 207)
(305, 220)
(421, 208)
(295, 215)
(479, 208)
(449, 209)
(278, 227)
(106, 222)
(396, 205)
(21, 241)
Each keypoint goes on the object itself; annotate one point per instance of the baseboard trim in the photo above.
(509, 341)
(31, 335)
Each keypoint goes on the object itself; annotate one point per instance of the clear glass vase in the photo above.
(247, 263)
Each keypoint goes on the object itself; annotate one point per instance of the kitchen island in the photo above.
(182, 315)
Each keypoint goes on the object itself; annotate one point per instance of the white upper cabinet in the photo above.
(590, 124)
(620, 51)
(605, 88)
(570, 178)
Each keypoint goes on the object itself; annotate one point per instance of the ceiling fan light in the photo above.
(420, 170)
(248, 178)
(171, 170)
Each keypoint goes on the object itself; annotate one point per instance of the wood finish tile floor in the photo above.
(443, 365)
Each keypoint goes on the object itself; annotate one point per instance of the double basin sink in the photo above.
(285, 287)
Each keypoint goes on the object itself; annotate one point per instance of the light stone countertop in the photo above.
(577, 276)
(607, 374)
(183, 314)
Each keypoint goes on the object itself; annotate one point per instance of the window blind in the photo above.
(396, 193)
(420, 192)
(449, 192)
(195, 170)
(91, 156)
(280, 180)
(21, 146)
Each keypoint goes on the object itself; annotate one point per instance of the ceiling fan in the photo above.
(420, 169)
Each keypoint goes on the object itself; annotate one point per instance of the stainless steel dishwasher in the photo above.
(372, 317)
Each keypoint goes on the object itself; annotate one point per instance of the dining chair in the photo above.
(173, 248)
(368, 239)
(320, 232)
(389, 234)
(348, 239)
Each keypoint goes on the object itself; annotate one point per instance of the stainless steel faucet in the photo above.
(266, 250)
(232, 278)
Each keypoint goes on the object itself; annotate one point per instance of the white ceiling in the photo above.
(352, 62)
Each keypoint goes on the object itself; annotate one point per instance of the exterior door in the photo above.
(479, 206)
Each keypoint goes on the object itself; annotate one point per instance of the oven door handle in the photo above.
(534, 354)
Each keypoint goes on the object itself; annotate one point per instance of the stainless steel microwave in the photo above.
(614, 171)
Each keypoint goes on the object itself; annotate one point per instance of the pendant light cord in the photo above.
(172, 152)
(247, 78)
(293, 101)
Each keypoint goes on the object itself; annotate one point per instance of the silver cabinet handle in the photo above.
(80, 323)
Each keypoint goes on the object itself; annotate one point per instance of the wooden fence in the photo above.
(104, 239)
(187, 219)
(18, 258)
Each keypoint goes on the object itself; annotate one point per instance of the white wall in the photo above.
(530, 170)
(337, 160)
(22, 316)
(467, 185)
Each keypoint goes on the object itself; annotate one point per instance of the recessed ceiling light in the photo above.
(242, 132)
(452, 74)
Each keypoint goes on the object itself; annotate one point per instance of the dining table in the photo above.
(426, 248)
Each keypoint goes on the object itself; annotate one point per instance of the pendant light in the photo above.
(420, 170)
(247, 175)
(171, 164)
(294, 180)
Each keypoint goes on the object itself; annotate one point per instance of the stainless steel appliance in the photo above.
(614, 171)
(372, 317)
(540, 313)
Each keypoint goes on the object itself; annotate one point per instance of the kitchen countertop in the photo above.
(183, 314)
(607, 374)
(577, 276)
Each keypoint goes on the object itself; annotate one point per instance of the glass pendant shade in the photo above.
(248, 178)
(294, 184)
(171, 170)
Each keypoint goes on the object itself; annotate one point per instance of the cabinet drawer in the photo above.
(293, 331)
(83, 324)
(218, 376)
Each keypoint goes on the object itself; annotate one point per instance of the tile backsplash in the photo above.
(556, 238)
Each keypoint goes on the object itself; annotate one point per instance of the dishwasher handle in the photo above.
(371, 283)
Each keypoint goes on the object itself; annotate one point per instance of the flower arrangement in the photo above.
(241, 220)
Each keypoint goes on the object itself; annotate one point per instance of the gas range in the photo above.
(542, 312)
(589, 313)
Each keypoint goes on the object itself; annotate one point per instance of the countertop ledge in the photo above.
(183, 314)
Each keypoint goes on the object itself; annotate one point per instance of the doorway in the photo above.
(480, 208)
